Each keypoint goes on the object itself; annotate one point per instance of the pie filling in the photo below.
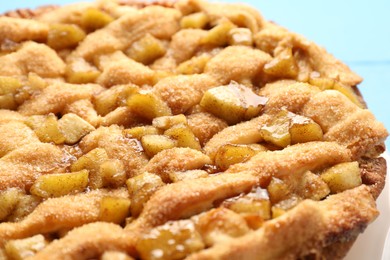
(187, 129)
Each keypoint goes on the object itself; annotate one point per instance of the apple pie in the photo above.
(178, 130)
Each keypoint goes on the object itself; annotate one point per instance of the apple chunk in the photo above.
(56, 185)
(233, 102)
(343, 176)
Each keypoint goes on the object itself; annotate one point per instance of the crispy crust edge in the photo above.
(373, 170)
(31, 13)
(329, 228)
(28, 13)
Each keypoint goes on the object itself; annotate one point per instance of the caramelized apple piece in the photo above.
(94, 19)
(56, 185)
(91, 162)
(148, 106)
(173, 240)
(195, 20)
(146, 50)
(195, 65)
(283, 206)
(277, 211)
(74, 128)
(329, 83)
(184, 137)
(26, 205)
(321, 82)
(23, 248)
(81, 72)
(303, 129)
(233, 102)
(7, 101)
(240, 36)
(63, 36)
(342, 177)
(283, 65)
(288, 128)
(8, 201)
(113, 173)
(255, 206)
(278, 190)
(166, 122)
(349, 93)
(108, 100)
(153, 144)
(9, 85)
(141, 187)
(277, 131)
(34, 84)
(311, 186)
(220, 224)
(139, 131)
(230, 154)
(256, 201)
(50, 131)
(113, 209)
(219, 34)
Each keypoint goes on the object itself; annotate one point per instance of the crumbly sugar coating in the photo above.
(178, 130)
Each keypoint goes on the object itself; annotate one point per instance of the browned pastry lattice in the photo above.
(178, 129)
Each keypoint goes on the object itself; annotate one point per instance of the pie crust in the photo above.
(172, 130)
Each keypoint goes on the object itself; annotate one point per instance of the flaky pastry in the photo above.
(178, 129)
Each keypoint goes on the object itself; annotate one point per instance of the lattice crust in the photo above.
(172, 130)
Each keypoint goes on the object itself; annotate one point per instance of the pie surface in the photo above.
(172, 130)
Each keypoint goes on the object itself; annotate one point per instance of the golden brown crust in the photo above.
(195, 196)
(176, 160)
(27, 13)
(373, 173)
(85, 243)
(144, 3)
(337, 219)
(313, 229)
(24, 61)
(274, 38)
(360, 96)
(31, 13)
(205, 126)
(58, 214)
(23, 165)
(302, 224)
(335, 251)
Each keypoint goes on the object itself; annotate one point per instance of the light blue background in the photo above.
(357, 32)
